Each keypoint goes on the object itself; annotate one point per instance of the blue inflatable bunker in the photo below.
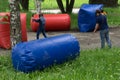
(39, 54)
(87, 18)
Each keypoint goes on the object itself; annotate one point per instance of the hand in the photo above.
(94, 31)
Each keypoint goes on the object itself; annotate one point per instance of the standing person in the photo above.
(101, 23)
(41, 27)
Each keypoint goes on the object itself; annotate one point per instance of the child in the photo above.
(41, 27)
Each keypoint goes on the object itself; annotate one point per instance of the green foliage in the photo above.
(74, 21)
(52, 4)
(113, 16)
(4, 6)
(29, 15)
(97, 64)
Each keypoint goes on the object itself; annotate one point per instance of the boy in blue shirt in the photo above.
(101, 24)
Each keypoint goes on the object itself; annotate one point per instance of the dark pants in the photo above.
(40, 30)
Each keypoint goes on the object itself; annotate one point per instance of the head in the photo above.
(40, 14)
(103, 12)
(98, 12)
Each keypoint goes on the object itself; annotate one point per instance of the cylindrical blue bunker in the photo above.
(39, 54)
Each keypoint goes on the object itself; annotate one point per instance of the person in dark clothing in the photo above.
(102, 25)
(41, 27)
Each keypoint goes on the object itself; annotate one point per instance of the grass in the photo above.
(90, 65)
(74, 18)
(113, 16)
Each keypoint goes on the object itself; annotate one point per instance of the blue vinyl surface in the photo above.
(39, 54)
(87, 18)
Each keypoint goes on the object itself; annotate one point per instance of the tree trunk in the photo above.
(107, 3)
(15, 23)
(60, 5)
(25, 4)
(69, 6)
(38, 6)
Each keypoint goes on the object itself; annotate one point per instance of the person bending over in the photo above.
(102, 25)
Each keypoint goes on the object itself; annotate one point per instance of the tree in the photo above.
(15, 23)
(69, 6)
(38, 5)
(25, 4)
(107, 3)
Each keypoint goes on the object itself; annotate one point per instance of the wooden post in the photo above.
(15, 23)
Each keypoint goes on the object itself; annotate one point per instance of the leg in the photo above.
(43, 32)
(102, 37)
(108, 39)
(38, 32)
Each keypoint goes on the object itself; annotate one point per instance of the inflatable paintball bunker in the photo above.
(54, 22)
(5, 35)
(5, 29)
(87, 18)
(39, 54)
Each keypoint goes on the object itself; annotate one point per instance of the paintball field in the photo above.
(87, 40)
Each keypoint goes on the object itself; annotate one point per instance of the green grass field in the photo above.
(90, 65)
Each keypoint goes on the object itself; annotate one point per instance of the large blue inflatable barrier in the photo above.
(39, 54)
(87, 18)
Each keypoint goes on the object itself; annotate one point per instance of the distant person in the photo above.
(102, 25)
(41, 28)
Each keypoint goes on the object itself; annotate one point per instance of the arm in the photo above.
(96, 27)
(36, 20)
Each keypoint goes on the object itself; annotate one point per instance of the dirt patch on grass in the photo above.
(87, 40)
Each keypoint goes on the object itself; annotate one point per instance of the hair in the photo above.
(41, 14)
(102, 10)
(97, 12)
